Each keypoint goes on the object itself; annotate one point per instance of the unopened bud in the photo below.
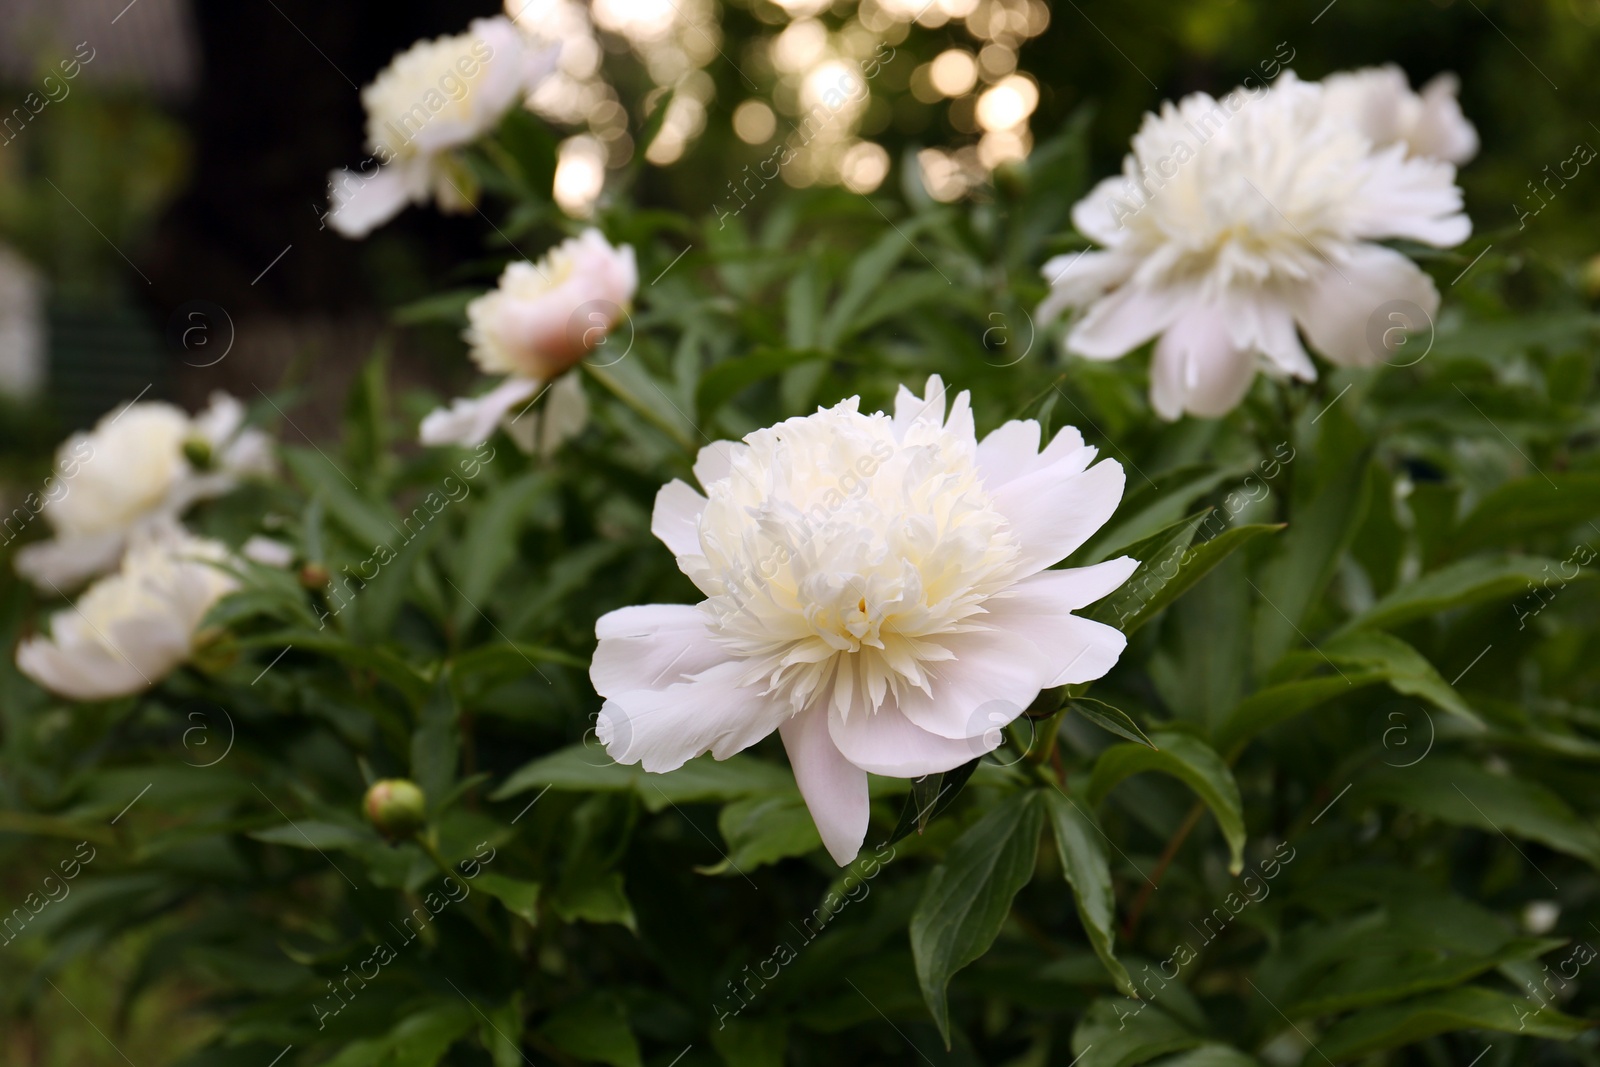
(396, 807)
(314, 576)
(197, 450)
(1591, 278)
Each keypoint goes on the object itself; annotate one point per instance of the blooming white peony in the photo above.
(1379, 100)
(539, 321)
(130, 629)
(141, 467)
(435, 97)
(876, 591)
(1236, 221)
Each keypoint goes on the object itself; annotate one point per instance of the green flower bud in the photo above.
(396, 807)
(197, 450)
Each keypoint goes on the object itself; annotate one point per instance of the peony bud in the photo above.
(314, 576)
(396, 807)
(197, 450)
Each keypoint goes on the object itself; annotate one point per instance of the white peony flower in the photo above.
(130, 629)
(1236, 221)
(539, 321)
(141, 467)
(1380, 102)
(435, 97)
(876, 591)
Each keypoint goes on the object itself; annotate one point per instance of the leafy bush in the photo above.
(1334, 801)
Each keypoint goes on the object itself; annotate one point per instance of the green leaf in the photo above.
(490, 544)
(1459, 585)
(316, 834)
(968, 896)
(729, 378)
(520, 898)
(1359, 659)
(596, 1029)
(1465, 794)
(1083, 861)
(1158, 556)
(449, 308)
(1376, 976)
(764, 829)
(868, 269)
(1111, 719)
(596, 897)
(1324, 519)
(1192, 762)
(930, 796)
(630, 383)
(1468, 1008)
(1157, 587)
(435, 744)
(360, 517)
(1129, 1032)
(1527, 508)
(586, 768)
(752, 1042)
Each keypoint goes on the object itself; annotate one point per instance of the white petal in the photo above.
(651, 646)
(676, 519)
(994, 676)
(1335, 310)
(910, 408)
(1122, 321)
(1411, 197)
(1263, 322)
(267, 551)
(664, 729)
(1078, 279)
(1442, 130)
(64, 563)
(887, 742)
(88, 673)
(835, 790)
(1055, 509)
(1090, 648)
(469, 421)
(1073, 588)
(1012, 451)
(1199, 368)
(360, 204)
(714, 462)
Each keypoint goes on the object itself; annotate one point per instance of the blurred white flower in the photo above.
(267, 551)
(434, 97)
(141, 467)
(1233, 222)
(543, 318)
(876, 591)
(130, 629)
(1380, 102)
